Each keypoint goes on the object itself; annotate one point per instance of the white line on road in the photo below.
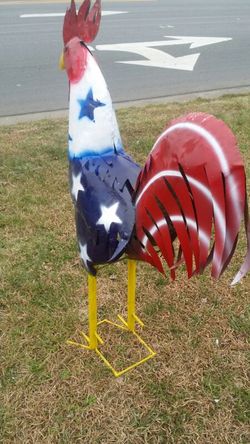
(62, 14)
(160, 59)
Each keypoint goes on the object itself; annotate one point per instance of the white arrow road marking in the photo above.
(196, 42)
(161, 59)
(62, 14)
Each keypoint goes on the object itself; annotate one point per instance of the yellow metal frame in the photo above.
(93, 340)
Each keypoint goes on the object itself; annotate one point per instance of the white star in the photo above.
(84, 254)
(109, 216)
(76, 185)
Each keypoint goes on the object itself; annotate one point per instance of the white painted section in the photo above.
(62, 14)
(76, 185)
(109, 216)
(84, 254)
(100, 134)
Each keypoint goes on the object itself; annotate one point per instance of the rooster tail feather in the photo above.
(193, 188)
(246, 264)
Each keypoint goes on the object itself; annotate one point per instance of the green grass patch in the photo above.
(195, 390)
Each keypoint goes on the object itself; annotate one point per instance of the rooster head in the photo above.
(78, 30)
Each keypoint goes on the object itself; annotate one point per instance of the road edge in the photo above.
(60, 114)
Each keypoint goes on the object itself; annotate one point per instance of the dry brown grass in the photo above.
(196, 390)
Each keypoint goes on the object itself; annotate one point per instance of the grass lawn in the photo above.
(196, 390)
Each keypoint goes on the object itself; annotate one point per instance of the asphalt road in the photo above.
(30, 80)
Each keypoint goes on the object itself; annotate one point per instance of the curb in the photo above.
(62, 114)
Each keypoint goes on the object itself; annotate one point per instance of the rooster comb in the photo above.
(85, 24)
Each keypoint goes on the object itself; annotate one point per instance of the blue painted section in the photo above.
(88, 106)
(106, 180)
(89, 154)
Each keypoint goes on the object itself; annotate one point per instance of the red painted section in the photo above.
(85, 24)
(192, 187)
(75, 60)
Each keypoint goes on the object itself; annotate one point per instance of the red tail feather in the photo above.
(192, 185)
(85, 24)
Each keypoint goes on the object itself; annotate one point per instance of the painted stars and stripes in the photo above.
(93, 127)
(108, 217)
(192, 188)
(101, 189)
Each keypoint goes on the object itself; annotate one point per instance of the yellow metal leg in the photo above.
(132, 317)
(92, 312)
(94, 339)
(131, 294)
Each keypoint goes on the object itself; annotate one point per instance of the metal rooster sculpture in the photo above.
(192, 185)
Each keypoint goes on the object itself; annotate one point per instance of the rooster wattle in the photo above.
(193, 183)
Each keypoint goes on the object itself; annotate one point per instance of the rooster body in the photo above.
(184, 206)
(193, 182)
(102, 176)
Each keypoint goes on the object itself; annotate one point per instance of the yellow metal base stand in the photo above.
(93, 340)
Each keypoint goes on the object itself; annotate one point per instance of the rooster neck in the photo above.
(93, 128)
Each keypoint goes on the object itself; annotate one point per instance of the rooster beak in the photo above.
(61, 62)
